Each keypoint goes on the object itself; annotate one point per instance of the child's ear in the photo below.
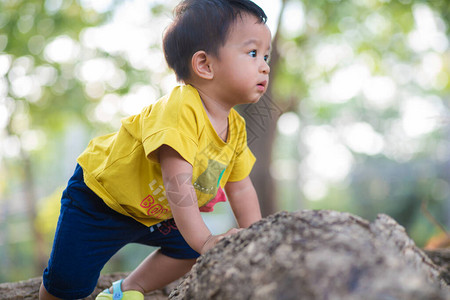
(202, 65)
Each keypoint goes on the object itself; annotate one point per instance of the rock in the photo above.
(315, 255)
(29, 289)
(441, 257)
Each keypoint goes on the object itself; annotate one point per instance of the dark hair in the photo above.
(202, 25)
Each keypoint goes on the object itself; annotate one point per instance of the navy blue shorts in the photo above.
(89, 233)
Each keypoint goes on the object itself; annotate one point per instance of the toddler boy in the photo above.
(148, 182)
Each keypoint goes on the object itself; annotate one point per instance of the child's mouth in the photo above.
(262, 85)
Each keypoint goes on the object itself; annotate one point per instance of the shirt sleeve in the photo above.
(185, 145)
(244, 159)
(173, 122)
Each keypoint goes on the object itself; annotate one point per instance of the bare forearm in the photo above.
(246, 209)
(192, 227)
(177, 177)
(183, 203)
(244, 203)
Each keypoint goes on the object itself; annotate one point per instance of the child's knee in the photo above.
(66, 286)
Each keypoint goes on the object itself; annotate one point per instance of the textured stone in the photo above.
(29, 289)
(315, 255)
(441, 257)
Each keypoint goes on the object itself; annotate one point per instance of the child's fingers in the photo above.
(214, 239)
(211, 242)
(231, 232)
(228, 233)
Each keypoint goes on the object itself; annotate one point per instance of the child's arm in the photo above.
(177, 177)
(244, 202)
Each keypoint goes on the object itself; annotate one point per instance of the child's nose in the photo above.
(265, 68)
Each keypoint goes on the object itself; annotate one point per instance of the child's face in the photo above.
(242, 69)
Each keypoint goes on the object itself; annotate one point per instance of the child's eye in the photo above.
(266, 58)
(252, 53)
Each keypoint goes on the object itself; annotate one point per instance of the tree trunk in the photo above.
(261, 119)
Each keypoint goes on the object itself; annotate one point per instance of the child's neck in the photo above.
(217, 113)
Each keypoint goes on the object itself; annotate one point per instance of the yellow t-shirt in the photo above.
(123, 168)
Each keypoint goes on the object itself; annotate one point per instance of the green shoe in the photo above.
(118, 294)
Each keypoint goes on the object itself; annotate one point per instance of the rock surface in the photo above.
(302, 255)
(441, 257)
(315, 255)
(29, 289)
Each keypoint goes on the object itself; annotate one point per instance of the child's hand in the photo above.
(214, 239)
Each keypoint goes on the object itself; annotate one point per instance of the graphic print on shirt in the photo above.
(208, 182)
(153, 209)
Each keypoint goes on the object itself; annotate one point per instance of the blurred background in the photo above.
(357, 116)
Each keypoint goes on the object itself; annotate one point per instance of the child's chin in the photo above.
(257, 99)
(252, 100)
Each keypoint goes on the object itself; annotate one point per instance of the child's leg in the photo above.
(88, 234)
(44, 295)
(172, 261)
(156, 271)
